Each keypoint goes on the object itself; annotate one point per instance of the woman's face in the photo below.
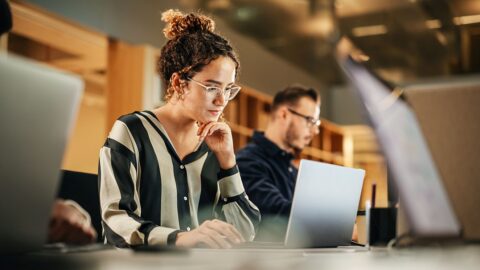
(200, 105)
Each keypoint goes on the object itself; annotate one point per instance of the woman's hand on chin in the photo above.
(218, 137)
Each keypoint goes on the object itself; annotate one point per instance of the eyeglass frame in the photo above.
(218, 90)
(311, 122)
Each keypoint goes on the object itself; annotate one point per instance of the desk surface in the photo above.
(438, 258)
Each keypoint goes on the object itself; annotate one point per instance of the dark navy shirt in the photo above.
(269, 177)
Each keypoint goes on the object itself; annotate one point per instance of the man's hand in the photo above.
(69, 225)
(212, 233)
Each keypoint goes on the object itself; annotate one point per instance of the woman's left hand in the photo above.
(218, 137)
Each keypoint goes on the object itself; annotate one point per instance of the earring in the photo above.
(180, 90)
(180, 94)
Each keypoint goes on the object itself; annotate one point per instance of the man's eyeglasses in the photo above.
(213, 91)
(310, 120)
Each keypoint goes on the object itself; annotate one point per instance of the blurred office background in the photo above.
(113, 45)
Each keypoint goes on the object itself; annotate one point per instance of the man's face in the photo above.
(300, 131)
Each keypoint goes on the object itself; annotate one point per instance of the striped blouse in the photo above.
(148, 194)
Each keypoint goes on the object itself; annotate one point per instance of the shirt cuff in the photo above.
(228, 172)
(172, 238)
(161, 235)
(231, 185)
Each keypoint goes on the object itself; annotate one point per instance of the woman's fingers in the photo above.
(218, 238)
(205, 129)
(226, 230)
(218, 127)
(206, 239)
(211, 233)
(209, 128)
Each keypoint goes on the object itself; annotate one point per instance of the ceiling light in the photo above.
(371, 30)
(433, 24)
(471, 19)
(322, 25)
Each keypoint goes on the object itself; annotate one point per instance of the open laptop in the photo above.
(447, 111)
(38, 106)
(422, 194)
(324, 207)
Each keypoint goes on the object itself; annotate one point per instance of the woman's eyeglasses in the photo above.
(213, 91)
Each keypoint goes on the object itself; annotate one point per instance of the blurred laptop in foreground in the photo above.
(38, 106)
(432, 213)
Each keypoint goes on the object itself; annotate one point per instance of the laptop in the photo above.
(447, 111)
(324, 207)
(422, 194)
(38, 106)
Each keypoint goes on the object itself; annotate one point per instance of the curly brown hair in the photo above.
(191, 45)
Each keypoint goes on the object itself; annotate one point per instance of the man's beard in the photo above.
(291, 136)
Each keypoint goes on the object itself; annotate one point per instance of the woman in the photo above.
(169, 176)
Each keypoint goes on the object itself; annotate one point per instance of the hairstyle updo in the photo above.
(192, 44)
(179, 24)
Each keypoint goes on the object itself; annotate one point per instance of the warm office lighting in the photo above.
(360, 57)
(433, 24)
(322, 25)
(371, 30)
(218, 4)
(471, 19)
(441, 38)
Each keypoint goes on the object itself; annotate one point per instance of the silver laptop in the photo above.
(38, 106)
(324, 206)
(422, 194)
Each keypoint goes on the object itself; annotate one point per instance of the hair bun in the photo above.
(179, 24)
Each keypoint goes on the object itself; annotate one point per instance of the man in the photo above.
(266, 163)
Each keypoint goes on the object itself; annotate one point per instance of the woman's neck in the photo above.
(174, 120)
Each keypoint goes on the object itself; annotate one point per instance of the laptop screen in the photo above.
(421, 191)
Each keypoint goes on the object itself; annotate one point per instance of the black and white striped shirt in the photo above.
(148, 195)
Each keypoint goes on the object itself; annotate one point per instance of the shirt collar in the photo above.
(270, 147)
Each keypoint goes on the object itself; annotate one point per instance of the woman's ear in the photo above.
(176, 81)
(177, 85)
